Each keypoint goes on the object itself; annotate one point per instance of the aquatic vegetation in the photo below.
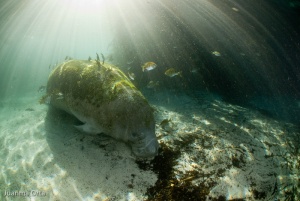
(103, 59)
(98, 61)
(68, 58)
(168, 186)
(97, 57)
(227, 152)
(291, 193)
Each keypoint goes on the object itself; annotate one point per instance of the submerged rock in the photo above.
(104, 99)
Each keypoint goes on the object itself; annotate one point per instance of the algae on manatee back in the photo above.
(106, 101)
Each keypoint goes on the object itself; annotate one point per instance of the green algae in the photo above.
(84, 80)
(100, 92)
(167, 186)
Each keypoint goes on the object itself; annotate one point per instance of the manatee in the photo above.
(105, 100)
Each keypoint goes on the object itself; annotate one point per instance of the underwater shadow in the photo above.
(94, 166)
(282, 108)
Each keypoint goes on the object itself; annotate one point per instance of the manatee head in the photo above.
(144, 142)
(134, 123)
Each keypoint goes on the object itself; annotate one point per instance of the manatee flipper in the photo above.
(87, 128)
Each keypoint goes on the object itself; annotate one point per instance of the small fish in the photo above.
(49, 66)
(29, 109)
(164, 122)
(216, 53)
(152, 84)
(167, 125)
(171, 72)
(131, 75)
(42, 88)
(235, 9)
(194, 70)
(89, 59)
(149, 66)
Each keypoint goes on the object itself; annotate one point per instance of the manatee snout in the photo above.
(145, 145)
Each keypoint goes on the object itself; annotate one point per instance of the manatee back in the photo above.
(86, 80)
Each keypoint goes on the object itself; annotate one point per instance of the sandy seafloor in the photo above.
(229, 151)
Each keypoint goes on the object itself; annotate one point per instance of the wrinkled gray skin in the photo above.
(133, 129)
(127, 123)
(106, 102)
